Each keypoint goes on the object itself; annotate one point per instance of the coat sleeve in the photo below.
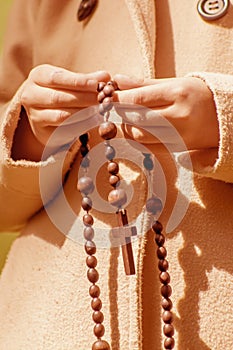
(20, 196)
(216, 163)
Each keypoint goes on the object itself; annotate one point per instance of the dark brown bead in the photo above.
(94, 291)
(88, 219)
(114, 84)
(113, 168)
(88, 233)
(168, 330)
(166, 304)
(161, 252)
(100, 86)
(107, 130)
(84, 150)
(86, 203)
(154, 205)
(159, 239)
(108, 90)
(169, 343)
(166, 291)
(91, 261)
(157, 227)
(92, 275)
(85, 185)
(101, 96)
(100, 345)
(96, 304)
(90, 247)
(84, 138)
(98, 317)
(85, 9)
(99, 330)
(164, 277)
(113, 180)
(167, 317)
(117, 197)
(110, 152)
(163, 265)
(148, 162)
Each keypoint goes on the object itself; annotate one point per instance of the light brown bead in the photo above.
(86, 203)
(85, 185)
(167, 316)
(96, 304)
(113, 168)
(169, 343)
(117, 197)
(166, 304)
(108, 90)
(90, 247)
(94, 291)
(114, 84)
(88, 233)
(168, 330)
(88, 219)
(107, 130)
(100, 345)
(164, 277)
(154, 205)
(113, 180)
(92, 275)
(161, 252)
(101, 96)
(98, 317)
(166, 291)
(91, 261)
(100, 86)
(99, 330)
(163, 265)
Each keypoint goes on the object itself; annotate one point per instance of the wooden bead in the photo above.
(117, 197)
(159, 239)
(166, 304)
(85, 185)
(96, 304)
(85, 9)
(113, 180)
(94, 291)
(86, 203)
(169, 343)
(114, 84)
(108, 90)
(92, 275)
(164, 277)
(88, 219)
(88, 233)
(98, 317)
(99, 330)
(101, 96)
(100, 86)
(90, 247)
(161, 252)
(168, 330)
(163, 265)
(107, 130)
(110, 152)
(154, 205)
(157, 227)
(167, 316)
(91, 261)
(113, 168)
(148, 163)
(100, 345)
(166, 291)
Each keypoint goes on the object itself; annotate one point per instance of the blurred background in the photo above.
(6, 238)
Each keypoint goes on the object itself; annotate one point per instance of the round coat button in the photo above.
(211, 10)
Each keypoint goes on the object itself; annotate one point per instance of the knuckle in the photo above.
(54, 98)
(61, 116)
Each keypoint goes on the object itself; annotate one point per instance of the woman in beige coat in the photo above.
(44, 299)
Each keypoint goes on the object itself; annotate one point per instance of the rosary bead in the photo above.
(98, 317)
(99, 330)
(113, 168)
(159, 239)
(92, 275)
(168, 330)
(154, 205)
(100, 86)
(166, 291)
(96, 304)
(88, 219)
(157, 227)
(84, 150)
(84, 138)
(107, 130)
(101, 96)
(164, 277)
(86, 8)
(108, 90)
(161, 252)
(117, 197)
(85, 185)
(91, 261)
(100, 345)
(163, 265)
(166, 304)
(85, 163)
(113, 180)
(148, 162)
(94, 292)
(88, 233)
(167, 317)
(169, 343)
(113, 83)
(110, 152)
(90, 247)
(86, 203)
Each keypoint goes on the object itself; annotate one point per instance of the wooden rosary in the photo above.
(117, 197)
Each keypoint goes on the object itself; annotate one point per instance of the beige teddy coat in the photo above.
(44, 300)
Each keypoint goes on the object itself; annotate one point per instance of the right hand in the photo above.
(52, 94)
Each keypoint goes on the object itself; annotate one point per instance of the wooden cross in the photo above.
(123, 234)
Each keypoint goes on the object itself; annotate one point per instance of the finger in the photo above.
(57, 77)
(126, 82)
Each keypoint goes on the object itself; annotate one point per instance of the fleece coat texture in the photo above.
(44, 299)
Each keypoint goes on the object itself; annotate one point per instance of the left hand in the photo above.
(187, 103)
